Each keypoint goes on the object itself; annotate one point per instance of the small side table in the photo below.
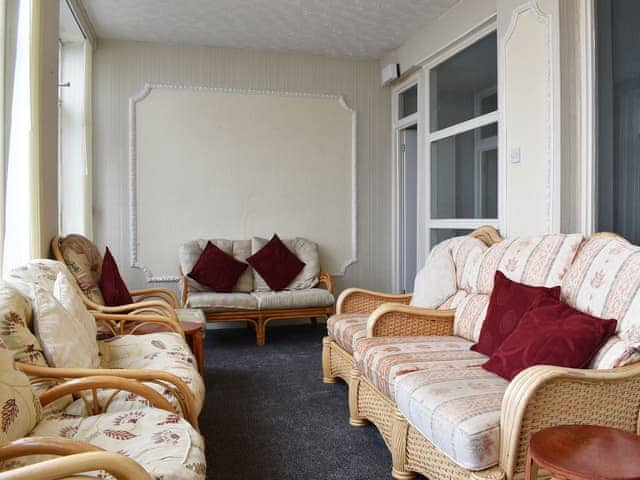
(584, 452)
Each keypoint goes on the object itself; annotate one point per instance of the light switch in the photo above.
(515, 155)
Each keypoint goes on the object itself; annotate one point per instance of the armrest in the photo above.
(163, 294)
(545, 396)
(326, 279)
(397, 320)
(97, 382)
(77, 457)
(131, 308)
(358, 300)
(119, 322)
(175, 384)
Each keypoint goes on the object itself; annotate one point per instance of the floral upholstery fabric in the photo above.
(470, 315)
(165, 445)
(190, 252)
(465, 251)
(347, 329)
(537, 261)
(454, 300)
(457, 409)
(382, 360)
(604, 281)
(85, 263)
(311, 297)
(19, 408)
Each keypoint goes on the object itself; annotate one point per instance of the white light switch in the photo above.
(515, 155)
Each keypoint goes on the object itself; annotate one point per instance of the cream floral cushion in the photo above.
(347, 329)
(19, 408)
(85, 263)
(164, 445)
(65, 291)
(436, 281)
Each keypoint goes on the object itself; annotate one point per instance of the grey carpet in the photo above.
(269, 416)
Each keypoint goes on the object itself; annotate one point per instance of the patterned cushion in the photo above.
(470, 315)
(165, 445)
(537, 261)
(84, 261)
(604, 281)
(19, 407)
(465, 252)
(306, 250)
(454, 300)
(383, 359)
(190, 252)
(311, 297)
(347, 329)
(219, 302)
(457, 409)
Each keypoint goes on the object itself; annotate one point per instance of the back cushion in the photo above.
(19, 407)
(436, 281)
(604, 281)
(306, 250)
(85, 263)
(190, 252)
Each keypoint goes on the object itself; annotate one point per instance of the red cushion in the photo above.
(551, 334)
(114, 290)
(276, 264)
(217, 270)
(508, 303)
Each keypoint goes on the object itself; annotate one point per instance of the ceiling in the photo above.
(358, 28)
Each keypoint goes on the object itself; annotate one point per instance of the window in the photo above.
(618, 118)
(462, 143)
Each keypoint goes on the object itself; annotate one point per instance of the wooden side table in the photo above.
(584, 452)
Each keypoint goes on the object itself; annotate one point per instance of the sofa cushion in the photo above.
(311, 297)
(220, 302)
(465, 251)
(470, 314)
(114, 290)
(509, 301)
(436, 281)
(552, 333)
(217, 270)
(165, 445)
(276, 264)
(306, 250)
(383, 359)
(84, 262)
(190, 252)
(537, 261)
(347, 329)
(457, 409)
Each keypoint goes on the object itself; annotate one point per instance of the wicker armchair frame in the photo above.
(259, 319)
(396, 318)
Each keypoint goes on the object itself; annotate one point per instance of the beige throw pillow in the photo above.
(436, 282)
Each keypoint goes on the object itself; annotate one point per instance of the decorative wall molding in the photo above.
(133, 201)
(550, 187)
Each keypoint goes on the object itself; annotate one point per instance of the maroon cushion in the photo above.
(276, 264)
(217, 270)
(114, 290)
(551, 334)
(508, 303)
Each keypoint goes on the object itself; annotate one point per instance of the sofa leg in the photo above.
(314, 321)
(326, 361)
(399, 432)
(261, 329)
(354, 385)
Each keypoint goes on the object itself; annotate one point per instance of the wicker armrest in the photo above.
(396, 320)
(545, 396)
(358, 300)
(121, 324)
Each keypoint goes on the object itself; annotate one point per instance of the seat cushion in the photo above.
(311, 297)
(457, 409)
(164, 445)
(154, 351)
(220, 302)
(347, 329)
(383, 359)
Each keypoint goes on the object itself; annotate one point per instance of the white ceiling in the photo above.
(360, 28)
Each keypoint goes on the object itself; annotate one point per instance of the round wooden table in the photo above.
(584, 452)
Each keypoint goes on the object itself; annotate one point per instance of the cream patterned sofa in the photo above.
(252, 300)
(162, 361)
(441, 414)
(156, 442)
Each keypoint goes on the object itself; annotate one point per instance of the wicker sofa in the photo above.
(444, 416)
(308, 296)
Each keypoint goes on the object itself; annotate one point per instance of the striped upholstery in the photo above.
(383, 359)
(604, 280)
(457, 409)
(347, 329)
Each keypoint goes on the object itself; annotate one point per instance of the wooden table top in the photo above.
(587, 452)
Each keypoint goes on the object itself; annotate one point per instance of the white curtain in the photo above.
(22, 194)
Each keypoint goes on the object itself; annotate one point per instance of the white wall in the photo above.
(121, 70)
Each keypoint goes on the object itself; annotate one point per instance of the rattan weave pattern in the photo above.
(367, 302)
(376, 408)
(405, 324)
(340, 361)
